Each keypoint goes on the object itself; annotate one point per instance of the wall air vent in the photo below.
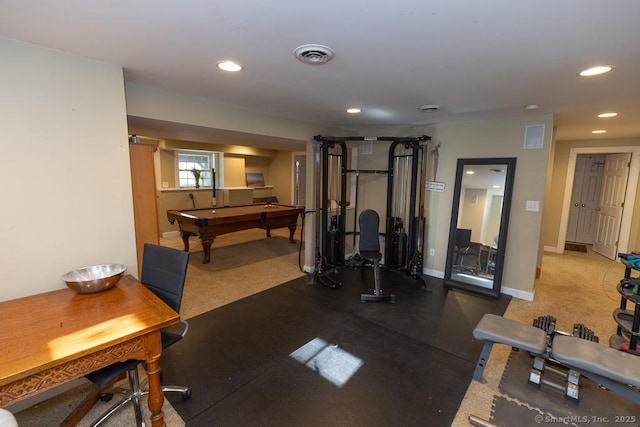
(314, 54)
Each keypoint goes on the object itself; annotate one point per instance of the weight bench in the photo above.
(495, 329)
(614, 369)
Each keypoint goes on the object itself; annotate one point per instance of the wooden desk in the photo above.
(56, 337)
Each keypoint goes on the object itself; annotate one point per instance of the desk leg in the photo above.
(156, 398)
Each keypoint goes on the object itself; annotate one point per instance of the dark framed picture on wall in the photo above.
(255, 179)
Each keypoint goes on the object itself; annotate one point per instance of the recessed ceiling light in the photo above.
(531, 107)
(495, 186)
(604, 115)
(599, 131)
(230, 66)
(469, 172)
(595, 71)
(353, 110)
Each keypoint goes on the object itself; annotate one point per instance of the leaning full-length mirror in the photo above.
(479, 222)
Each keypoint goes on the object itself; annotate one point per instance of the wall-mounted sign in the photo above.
(436, 186)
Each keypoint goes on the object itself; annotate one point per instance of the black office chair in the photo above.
(369, 248)
(163, 272)
(463, 249)
(491, 256)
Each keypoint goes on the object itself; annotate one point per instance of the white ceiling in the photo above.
(485, 177)
(478, 60)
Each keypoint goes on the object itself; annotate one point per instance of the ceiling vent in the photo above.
(314, 54)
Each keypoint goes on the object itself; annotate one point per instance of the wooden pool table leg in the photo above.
(206, 247)
(292, 230)
(185, 240)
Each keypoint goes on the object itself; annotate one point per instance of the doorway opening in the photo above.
(611, 229)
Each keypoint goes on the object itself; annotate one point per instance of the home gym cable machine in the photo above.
(406, 176)
(330, 167)
(407, 169)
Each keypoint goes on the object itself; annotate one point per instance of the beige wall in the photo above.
(474, 139)
(159, 104)
(496, 138)
(275, 165)
(64, 139)
(167, 166)
(259, 164)
(472, 215)
(103, 134)
(552, 212)
(234, 171)
(280, 173)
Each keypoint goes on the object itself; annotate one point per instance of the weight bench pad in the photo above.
(596, 358)
(506, 331)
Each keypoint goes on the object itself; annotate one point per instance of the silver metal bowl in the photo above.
(96, 278)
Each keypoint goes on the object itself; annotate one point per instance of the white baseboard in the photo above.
(433, 273)
(554, 249)
(517, 293)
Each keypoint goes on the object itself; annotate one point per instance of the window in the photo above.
(187, 161)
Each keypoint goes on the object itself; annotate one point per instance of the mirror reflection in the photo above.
(478, 227)
(478, 224)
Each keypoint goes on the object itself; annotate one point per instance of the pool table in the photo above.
(212, 222)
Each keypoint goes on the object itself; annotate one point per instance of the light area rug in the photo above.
(242, 264)
(53, 411)
(574, 287)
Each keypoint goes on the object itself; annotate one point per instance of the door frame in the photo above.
(629, 198)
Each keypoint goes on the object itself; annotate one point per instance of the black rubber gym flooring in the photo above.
(302, 354)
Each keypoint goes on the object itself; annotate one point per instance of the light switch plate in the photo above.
(532, 205)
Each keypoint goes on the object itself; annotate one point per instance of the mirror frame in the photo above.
(510, 163)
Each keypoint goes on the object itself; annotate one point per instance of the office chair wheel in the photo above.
(106, 397)
(186, 394)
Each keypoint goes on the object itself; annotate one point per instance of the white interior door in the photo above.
(585, 199)
(576, 194)
(610, 208)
